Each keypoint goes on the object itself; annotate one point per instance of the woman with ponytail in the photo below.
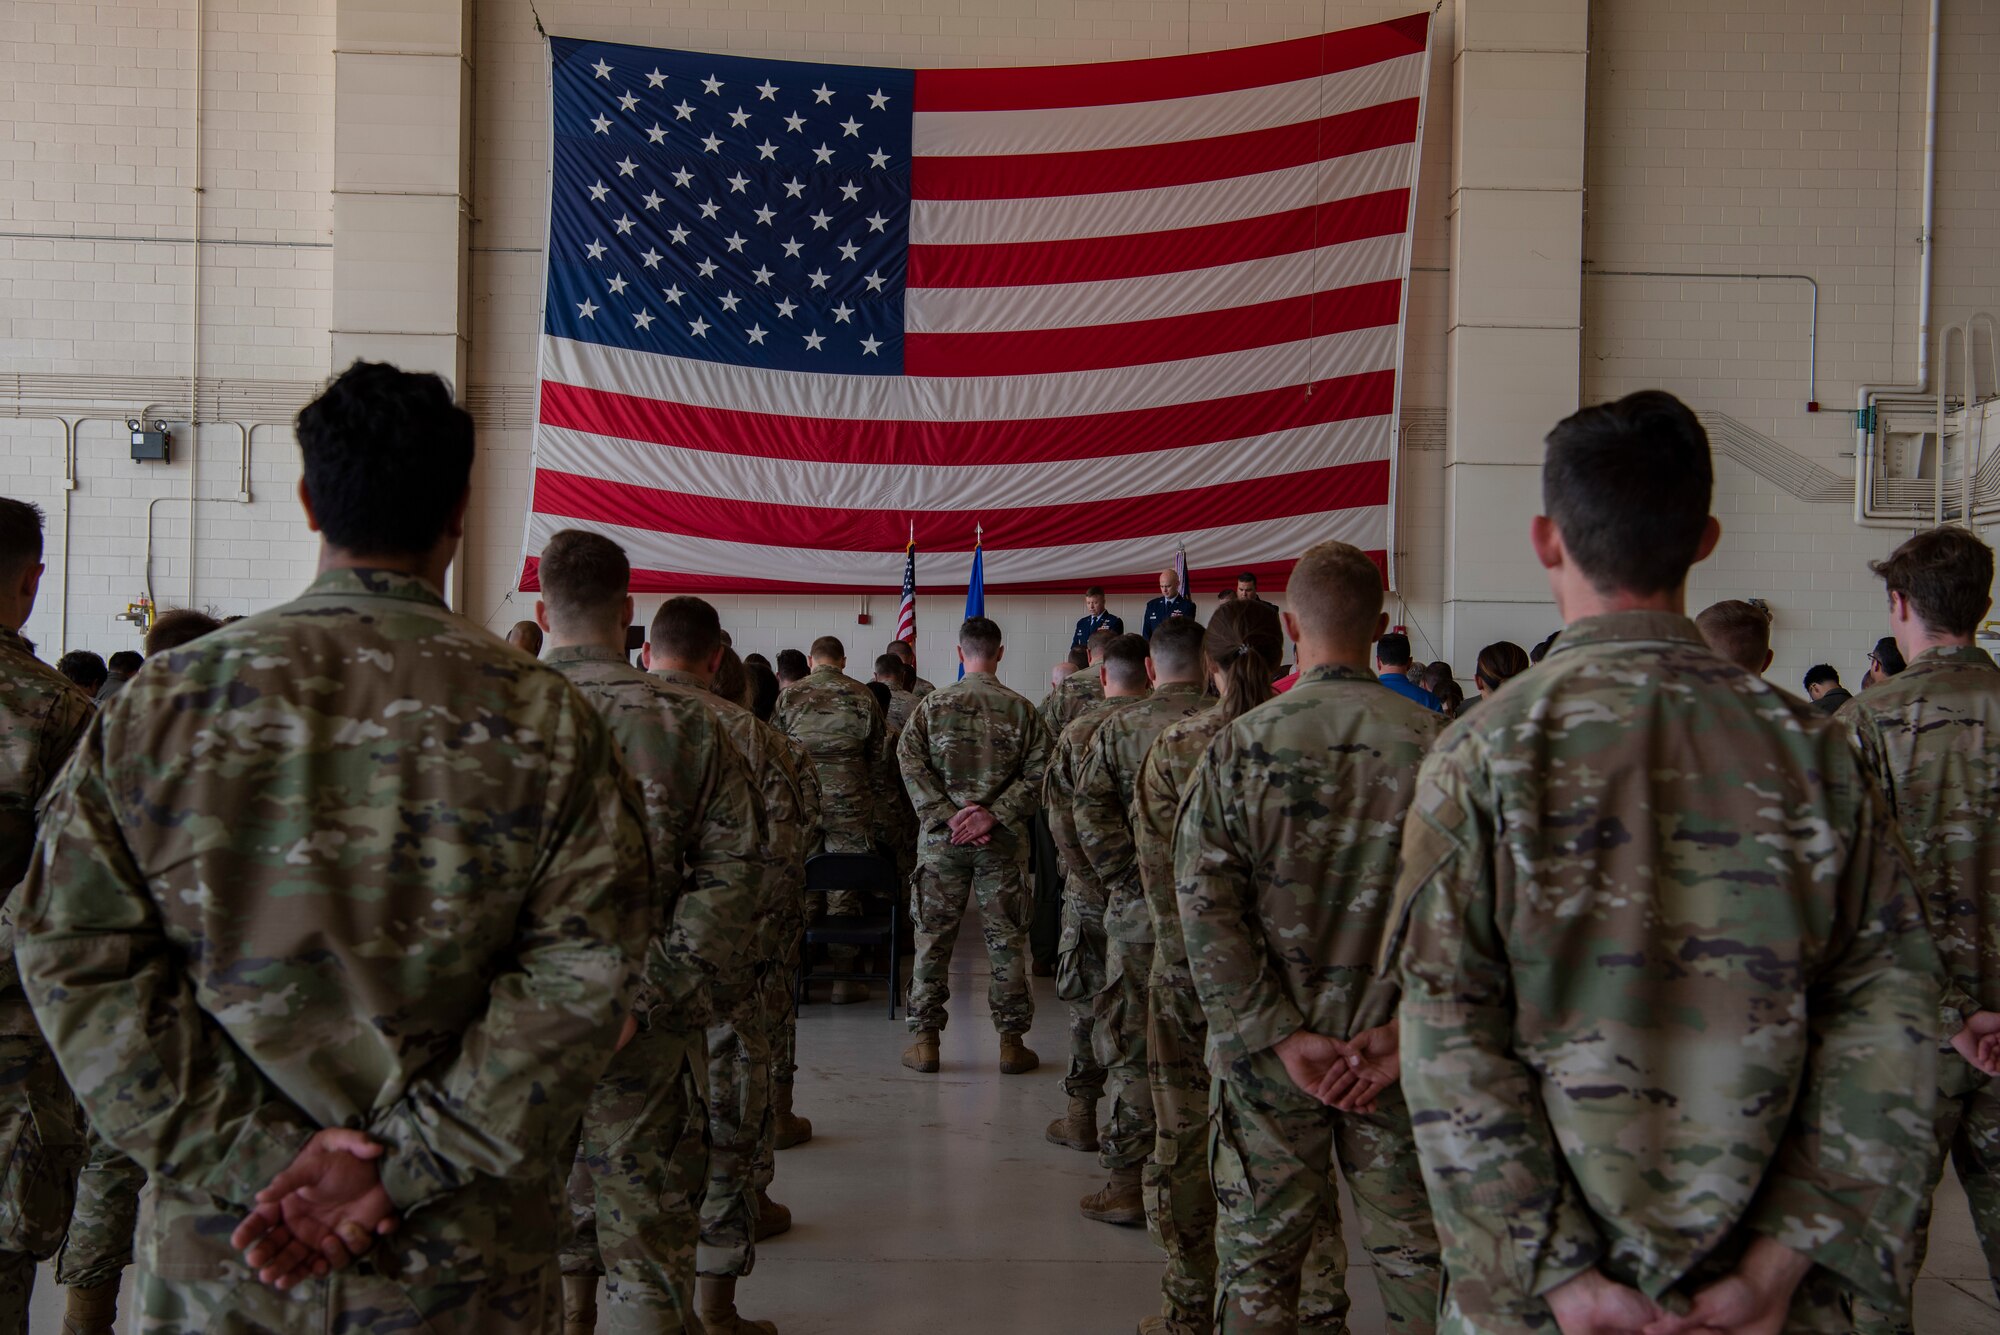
(1244, 647)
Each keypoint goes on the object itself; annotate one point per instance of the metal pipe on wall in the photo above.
(194, 330)
(1812, 319)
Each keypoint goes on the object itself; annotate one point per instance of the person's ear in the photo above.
(1770, 657)
(715, 660)
(1546, 539)
(1152, 673)
(1711, 533)
(630, 607)
(646, 655)
(1291, 621)
(454, 526)
(999, 654)
(1381, 624)
(306, 504)
(542, 615)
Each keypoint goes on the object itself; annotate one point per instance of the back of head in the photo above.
(1628, 486)
(388, 457)
(763, 687)
(890, 668)
(84, 668)
(1739, 631)
(20, 535)
(688, 630)
(126, 661)
(792, 666)
(1176, 648)
(1125, 661)
(1946, 574)
(731, 682)
(1094, 647)
(756, 660)
(526, 636)
(1498, 663)
(1820, 674)
(1335, 592)
(1438, 680)
(1078, 658)
(902, 649)
(881, 693)
(827, 649)
(1888, 656)
(178, 626)
(979, 637)
(1393, 650)
(1245, 643)
(584, 577)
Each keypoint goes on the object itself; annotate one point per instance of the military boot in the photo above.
(1016, 1058)
(1076, 1128)
(922, 1055)
(789, 1128)
(1119, 1202)
(579, 1293)
(91, 1311)
(847, 991)
(715, 1302)
(772, 1218)
(1164, 1325)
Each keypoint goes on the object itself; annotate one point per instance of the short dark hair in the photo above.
(1947, 575)
(792, 665)
(1099, 641)
(1176, 647)
(1628, 485)
(826, 646)
(126, 661)
(1821, 674)
(1888, 655)
(902, 649)
(763, 687)
(388, 456)
(979, 637)
(525, 636)
(178, 626)
(1094, 591)
(888, 665)
(1393, 650)
(1246, 577)
(20, 533)
(1125, 658)
(687, 629)
(583, 574)
(731, 682)
(84, 668)
(1078, 657)
(1739, 631)
(881, 694)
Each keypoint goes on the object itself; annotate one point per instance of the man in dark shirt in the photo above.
(1094, 618)
(1172, 602)
(1823, 688)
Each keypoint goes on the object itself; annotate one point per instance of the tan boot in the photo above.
(772, 1218)
(716, 1303)
(1016, 1058)
(922, 1055)
(91, 1311)
(1076, 1128)
(789, 1128)
(847, 991)
(579, 1304)
(1119, 1202)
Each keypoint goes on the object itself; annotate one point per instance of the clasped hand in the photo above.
(319, 1214)
(1348, 1075)
(972, 826)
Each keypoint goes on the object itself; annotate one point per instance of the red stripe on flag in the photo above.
(1112, 519)
(1154, 166)
(1137, 342)
(1153, 79)
(1103, 258)
(962, 444)
(1271, 578)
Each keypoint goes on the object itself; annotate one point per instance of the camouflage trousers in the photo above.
(845, 837)
(355, 1301)
(635, 1190)
(101, 1224)
(997, 876)
(1271, 1157)
(781, 1036)
(1079, 978)
(739, 1106)
(1968, 1134)
(1125, 1129)
(42, 1138)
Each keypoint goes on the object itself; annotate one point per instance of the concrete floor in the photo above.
(927, 1203)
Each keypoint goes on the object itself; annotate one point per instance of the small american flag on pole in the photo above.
(1099, 307)
(906, 615)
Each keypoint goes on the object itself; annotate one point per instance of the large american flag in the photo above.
(1102, 310)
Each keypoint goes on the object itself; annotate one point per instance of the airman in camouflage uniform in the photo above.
(41, 1130)
(642, 1165)
(972, 760)
(1669, 1008)
(1104, 833)
(98, 1245)
(1284, 858)
(787, 1127)
(1080, 951)
(1078, 691)
(902, 702)
(1930, 738)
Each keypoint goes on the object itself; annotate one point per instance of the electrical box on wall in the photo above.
(151, 442)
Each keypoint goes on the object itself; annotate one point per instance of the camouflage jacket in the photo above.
(1156, 802)
(348, 862)
(1104, 801)
(1069, 698)
(701, 821)
(974, 742)
(922, 688)
(41, 717)
(895, 824)
(1930, 737)
(902, 704)
(1285, 857)
(1666, 982)
(835, 719)
(1059, 802)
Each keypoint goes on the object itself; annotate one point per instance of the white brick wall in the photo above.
(1773, 135)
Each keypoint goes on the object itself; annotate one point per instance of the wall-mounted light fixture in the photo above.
(151, 442)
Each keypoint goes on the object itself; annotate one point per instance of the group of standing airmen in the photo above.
(1644, 999)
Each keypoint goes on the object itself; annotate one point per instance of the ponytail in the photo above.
(1244, 644)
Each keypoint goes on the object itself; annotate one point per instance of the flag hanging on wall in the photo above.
(906, 615)
(1102, 306)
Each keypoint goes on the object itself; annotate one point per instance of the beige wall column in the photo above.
(1516, 301)
(402, 182)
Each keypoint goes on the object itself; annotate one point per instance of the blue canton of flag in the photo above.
(754, 212)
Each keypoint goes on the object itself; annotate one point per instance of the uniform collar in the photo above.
(1334, 672)
(681, 678)
(1617, 627)
(584, 653)
(1161, 688)
(13, 639)
(375, 583)
(1953, 653)
(825, 670)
